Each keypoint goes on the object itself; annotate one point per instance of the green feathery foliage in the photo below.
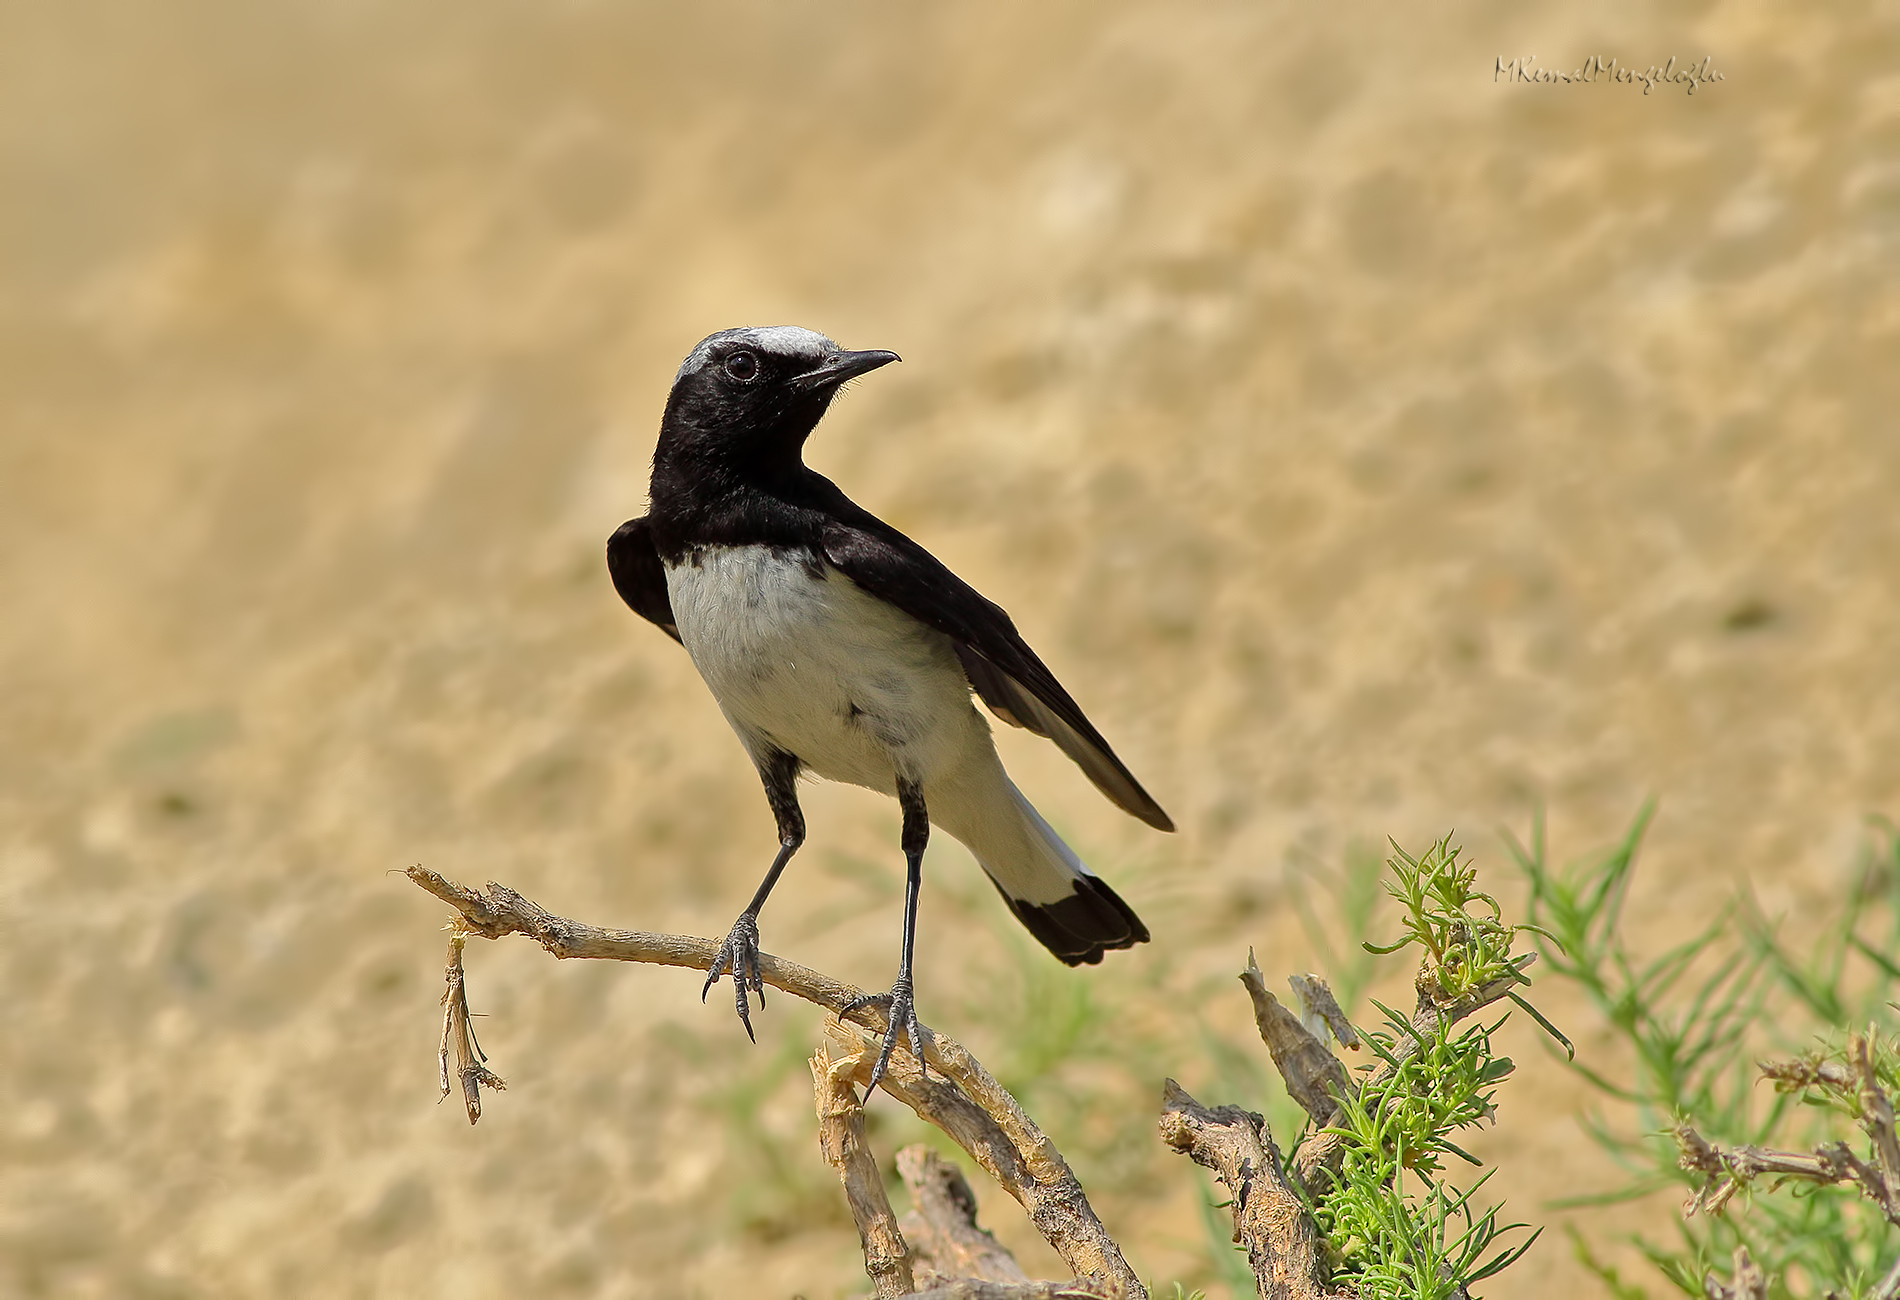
(1395, 1226)
(1694, 1021)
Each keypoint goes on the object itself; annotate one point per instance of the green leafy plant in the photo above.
(1460, 927)
(1694, 1019)
(1394, 1225)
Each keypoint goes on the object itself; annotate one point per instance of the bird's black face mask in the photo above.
(746, 400)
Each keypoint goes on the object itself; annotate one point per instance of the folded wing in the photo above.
(639, 576)
(1016, 685)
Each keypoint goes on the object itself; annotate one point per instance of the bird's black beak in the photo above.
(843, 366)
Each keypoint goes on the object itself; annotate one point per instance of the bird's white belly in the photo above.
(811, 664)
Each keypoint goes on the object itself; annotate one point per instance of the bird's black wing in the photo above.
(1004, 671)
(639, 576)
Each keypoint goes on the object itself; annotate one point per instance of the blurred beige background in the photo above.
(1372, 447)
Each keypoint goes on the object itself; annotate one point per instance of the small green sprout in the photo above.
(1462, 929)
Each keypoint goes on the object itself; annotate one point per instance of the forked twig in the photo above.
(458, 1038)
(1058, 1207)
(842, 1138)
(956, 1094)
(1730, 1168)
(500, 911)
(1314, 1077)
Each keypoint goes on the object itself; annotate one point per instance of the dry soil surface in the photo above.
(1375, 445)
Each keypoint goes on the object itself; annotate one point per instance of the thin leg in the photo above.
(904, 1025)
(739, 954)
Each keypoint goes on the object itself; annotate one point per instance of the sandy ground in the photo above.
(1374, 447)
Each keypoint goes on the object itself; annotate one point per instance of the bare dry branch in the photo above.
(1806, 1072)
(946, 1243)
(1269, 1219)
(501, 911)
(1313, 1075)
(1729, 1169)
(457, 1038)
(1876, 1117)
(958, 1095)
(841, 1137)
(1316, 999)
(1059, 1209)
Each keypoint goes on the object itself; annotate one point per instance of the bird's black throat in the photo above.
(729, 467)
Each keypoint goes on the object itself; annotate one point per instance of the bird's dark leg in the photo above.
(904, 1026)
(740, 952)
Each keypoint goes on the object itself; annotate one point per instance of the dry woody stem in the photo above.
(938, 1250)
(955, 1093)
(1314, 1077)
(842, 1139)
(1729, 1169)
(457, 1038)
(1269, 1218)
(946, 1242)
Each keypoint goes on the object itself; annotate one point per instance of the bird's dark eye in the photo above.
(742, 366)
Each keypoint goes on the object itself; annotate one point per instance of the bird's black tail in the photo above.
(1073, 913)
(1083, 926)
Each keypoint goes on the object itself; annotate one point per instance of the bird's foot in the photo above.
(739, 954)
(904, 1027)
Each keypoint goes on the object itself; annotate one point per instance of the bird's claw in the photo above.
(904, 1027)
(739, 954)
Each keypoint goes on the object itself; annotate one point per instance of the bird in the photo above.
(838, 647)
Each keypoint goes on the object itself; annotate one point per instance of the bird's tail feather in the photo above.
(1072, 912)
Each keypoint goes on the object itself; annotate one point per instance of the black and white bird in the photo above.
(838, 646)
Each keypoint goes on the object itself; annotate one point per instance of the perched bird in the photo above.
(838, 646)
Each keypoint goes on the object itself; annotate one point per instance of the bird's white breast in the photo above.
(806, 661)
